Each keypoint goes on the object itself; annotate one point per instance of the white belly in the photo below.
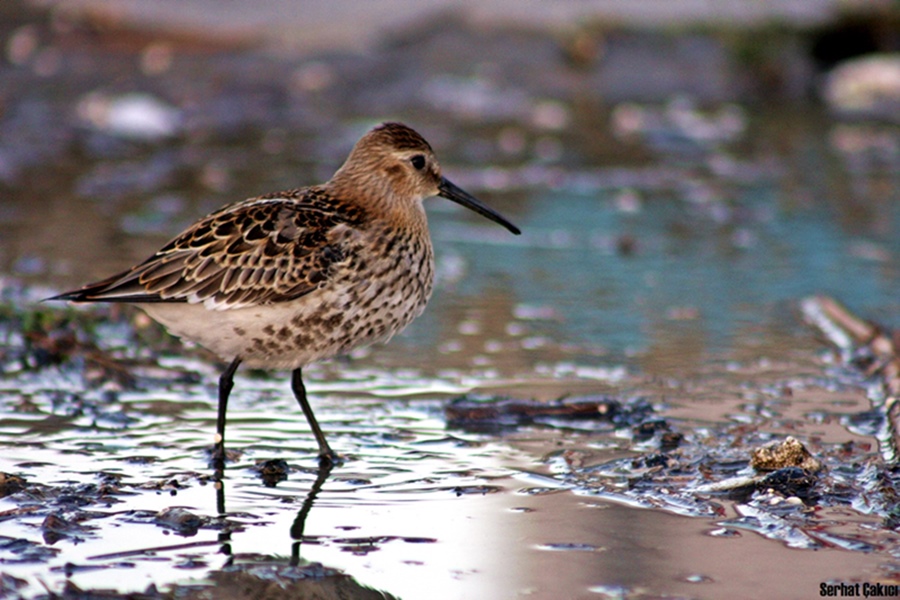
(289, 335)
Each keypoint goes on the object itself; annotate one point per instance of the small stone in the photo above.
(778, 455)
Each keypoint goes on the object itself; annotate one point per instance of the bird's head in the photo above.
(395, 163)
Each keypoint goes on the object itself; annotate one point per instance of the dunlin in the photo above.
(286, 279)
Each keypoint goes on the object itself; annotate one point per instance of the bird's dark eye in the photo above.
(418, 162)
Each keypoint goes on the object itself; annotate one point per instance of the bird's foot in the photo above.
(328, 459)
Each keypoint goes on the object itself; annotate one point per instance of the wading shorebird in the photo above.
(286, 279)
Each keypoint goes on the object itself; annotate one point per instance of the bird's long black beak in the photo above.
(451, 192)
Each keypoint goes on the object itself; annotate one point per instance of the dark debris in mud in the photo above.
(181, 520)
(778, 486)
(20, 550)
(10, 484)
(272, 472)
(491, 414)
(73, 511)
(705, 477)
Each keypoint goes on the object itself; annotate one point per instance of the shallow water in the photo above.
(417, 510)
(663, 265)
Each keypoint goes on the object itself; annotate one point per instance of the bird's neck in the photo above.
(378, 197)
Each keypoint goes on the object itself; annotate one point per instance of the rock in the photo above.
(779, 455)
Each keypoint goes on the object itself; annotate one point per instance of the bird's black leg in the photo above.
(226, 382)
(327, 456)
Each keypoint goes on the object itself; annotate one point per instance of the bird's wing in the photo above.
(259, 251)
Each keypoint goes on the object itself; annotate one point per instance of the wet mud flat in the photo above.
(630, 401)
(710, 478)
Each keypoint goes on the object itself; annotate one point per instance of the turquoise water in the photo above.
(618, 269)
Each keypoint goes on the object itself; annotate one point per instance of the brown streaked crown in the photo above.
(400, 137)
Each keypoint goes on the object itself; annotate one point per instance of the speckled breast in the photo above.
(377, 291)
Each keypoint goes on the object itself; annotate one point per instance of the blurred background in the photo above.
(685, 172)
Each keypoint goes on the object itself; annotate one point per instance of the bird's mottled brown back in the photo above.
(265, 250)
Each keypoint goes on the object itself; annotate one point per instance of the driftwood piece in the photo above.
(467, 411)
(873, 350)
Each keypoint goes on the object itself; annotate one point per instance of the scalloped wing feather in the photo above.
(260, 251)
